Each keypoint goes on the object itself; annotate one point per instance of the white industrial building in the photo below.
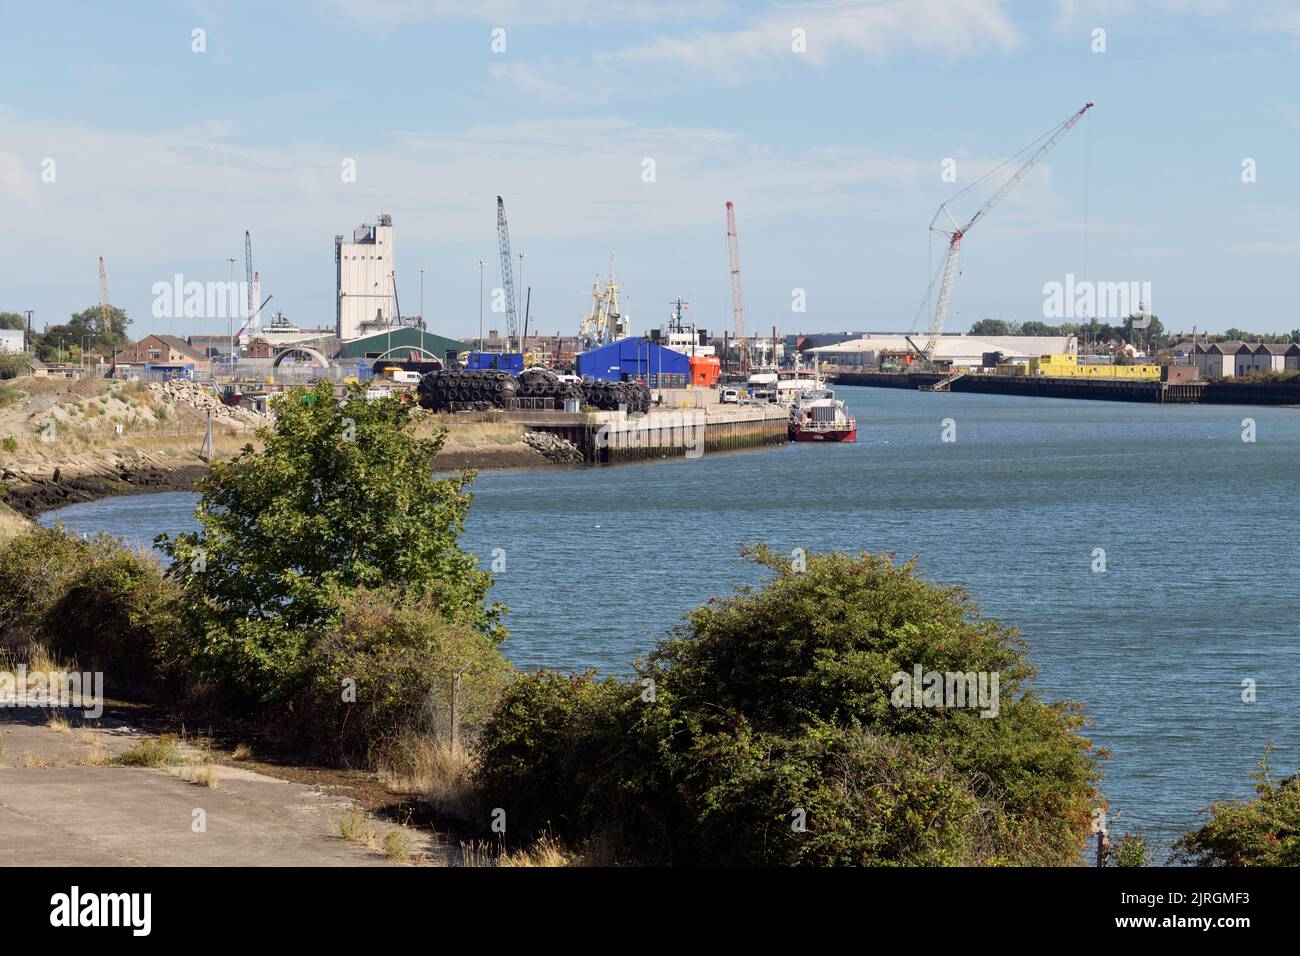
(364, 286)
(12, 340)
(963, 351)
(1230, 359)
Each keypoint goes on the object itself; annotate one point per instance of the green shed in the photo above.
(403, 345)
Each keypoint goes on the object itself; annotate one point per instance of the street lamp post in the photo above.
(481, 264)
(231, 320)
(522, 256)
(422, 322)
(393, 277)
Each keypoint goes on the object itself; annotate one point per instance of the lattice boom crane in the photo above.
(958, 233)
(105, 316)
(737, 297)
(507, 271)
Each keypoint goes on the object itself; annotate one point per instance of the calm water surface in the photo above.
(1198, 528)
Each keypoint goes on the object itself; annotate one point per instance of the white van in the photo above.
(729, 396)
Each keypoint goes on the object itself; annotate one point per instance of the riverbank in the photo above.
(64, 442)
(34, 488)
(1278, 392)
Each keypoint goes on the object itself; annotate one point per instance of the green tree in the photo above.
(1264, 831)
(12, 320)
(778, 707)
(1038, 328)
(84, 328)
(994, 327)
(1151, 337)
(339, 497)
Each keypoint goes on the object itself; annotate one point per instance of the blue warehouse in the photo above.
(636, 360)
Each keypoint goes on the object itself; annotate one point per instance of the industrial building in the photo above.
(633, 360)
(364, 279)
(403, 344)
(12, 341)
(161, 354)
(1068, 366)
(1230, 359)
(960, 351)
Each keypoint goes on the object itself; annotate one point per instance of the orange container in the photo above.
(705, 370)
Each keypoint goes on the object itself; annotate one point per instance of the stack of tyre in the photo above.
(462, 388)
(609, 396)
(543, 383)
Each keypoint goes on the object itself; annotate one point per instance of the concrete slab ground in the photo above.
(61, 804)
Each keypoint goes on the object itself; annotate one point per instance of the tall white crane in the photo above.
(105, 317)
(507, 273)
(737, 298)
(958, 233)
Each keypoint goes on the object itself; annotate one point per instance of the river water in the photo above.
(1198, 529)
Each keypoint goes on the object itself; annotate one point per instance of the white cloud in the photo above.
(868, 29)
(507, 13)
(157, 201)
(18, 180)
(564, 84)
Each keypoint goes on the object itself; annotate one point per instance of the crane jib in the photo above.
(954, 244)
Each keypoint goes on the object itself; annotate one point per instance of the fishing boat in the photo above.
(817, 415)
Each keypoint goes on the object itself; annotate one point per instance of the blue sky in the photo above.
(163, 157)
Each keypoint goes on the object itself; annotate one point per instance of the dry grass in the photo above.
(36, 658)
(546, 852)
(357, 826)
(478, 854)
(150, 753)
(422, 766)
(98, 751)
(397, 846)
(202, 774)
(462, 433)
(241, 752)
(59, 723)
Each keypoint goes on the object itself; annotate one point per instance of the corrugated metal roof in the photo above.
(960, 346)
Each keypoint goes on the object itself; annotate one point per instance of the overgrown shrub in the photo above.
(338, 498)
(763, 732)
(1264, 831)
(92, 599)
(389, 667)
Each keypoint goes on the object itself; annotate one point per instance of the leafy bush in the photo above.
(92, 599)
(1132, 850)
(762, 732)
(338, 498)
(405, 668)
(1264, 831)
(11, 366)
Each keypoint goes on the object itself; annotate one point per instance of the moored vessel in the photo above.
(817, 415)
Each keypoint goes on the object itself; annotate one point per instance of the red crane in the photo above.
(957, 233)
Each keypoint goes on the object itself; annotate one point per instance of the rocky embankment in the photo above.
(91, 476)
(559, 451)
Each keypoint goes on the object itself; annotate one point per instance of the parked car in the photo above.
(729, 396)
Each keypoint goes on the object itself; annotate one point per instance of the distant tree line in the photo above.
(1152, 337)
(83, 335)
